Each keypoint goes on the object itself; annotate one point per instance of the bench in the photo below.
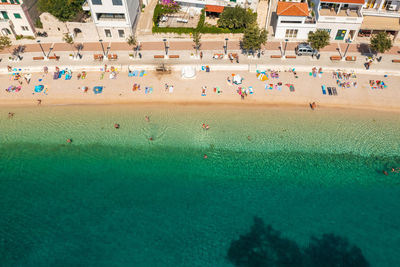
(396, 60)
(276, 56)
(98, 57)
(290, 56)
(350, 58)
(112, 57)
(336, 58)
(38, 58)
(174, 56)
(54, 57)
(158, 56)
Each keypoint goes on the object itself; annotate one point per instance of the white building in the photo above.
(14, 19)
(293, 21)
(381, 15)
(341, 18)
(114, 19)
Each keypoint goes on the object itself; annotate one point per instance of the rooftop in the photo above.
(292, 9)
(341, 13)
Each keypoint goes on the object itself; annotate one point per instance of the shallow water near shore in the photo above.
(114, 198)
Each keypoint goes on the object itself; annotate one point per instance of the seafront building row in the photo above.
(115, 20)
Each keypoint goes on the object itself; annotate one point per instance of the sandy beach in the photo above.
(185, 91)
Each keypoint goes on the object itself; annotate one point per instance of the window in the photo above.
(117, 2)
(17, 15)
(108, 33)
(328, 30)
(121, 33)
(24, 28)
(5, 15)
(290, 21)
(292, 33)
(96, 2)
(110, 16)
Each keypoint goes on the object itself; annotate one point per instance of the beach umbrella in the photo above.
(262, 77)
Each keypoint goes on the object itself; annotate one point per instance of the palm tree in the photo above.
(69, 40)
(197, 41)
(131, 41)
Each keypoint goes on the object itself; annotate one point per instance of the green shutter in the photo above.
(17, 15)
(5, 16)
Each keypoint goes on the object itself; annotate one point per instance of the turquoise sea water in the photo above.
(114, 198)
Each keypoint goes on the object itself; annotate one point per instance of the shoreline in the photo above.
(54, 103)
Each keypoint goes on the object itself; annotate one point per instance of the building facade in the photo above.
(380, 15)
(114, 19)
(14, 19)
(293, 21)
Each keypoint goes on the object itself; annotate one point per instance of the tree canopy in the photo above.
(318, 39)
(381, 42)
(254, 38)
(131, 40)
(64, 10)
(196, 40)
(236, 18)
(5, 42)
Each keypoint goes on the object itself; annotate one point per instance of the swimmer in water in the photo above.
(10, 114)
(385, 173)
(116, 126)
(204, 126)
(205, 156)
(249, 137)
(151, 139)
(147, 118)
(207, 127)
(69, 140)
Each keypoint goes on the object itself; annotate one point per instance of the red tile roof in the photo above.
(292, 9)
(215, 9)
(359, 2)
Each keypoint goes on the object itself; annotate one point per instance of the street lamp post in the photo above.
(165, 46)
(226, 46)
(41, 47)
(102, 47)
(345, 52)
(284, 51)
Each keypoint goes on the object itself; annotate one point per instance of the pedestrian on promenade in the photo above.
(201, 54)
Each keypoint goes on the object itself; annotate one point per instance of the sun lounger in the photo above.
(56, 75)
(97, 89)
(329, 91)
(334, 91)
(323, 90)
(68, 76)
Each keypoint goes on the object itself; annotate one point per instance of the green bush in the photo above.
(202, 19)
(38, 23)
(158, 12)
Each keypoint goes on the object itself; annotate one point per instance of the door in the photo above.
(340, 35)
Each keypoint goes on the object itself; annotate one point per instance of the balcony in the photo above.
(381, 12)
(335, 15)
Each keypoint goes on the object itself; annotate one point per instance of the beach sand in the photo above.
(188, 91)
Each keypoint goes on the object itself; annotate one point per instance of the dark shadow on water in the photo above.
(264, 246)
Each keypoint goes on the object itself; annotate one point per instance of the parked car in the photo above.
(164, 19)
(305, 49)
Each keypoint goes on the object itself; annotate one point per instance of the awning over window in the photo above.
(380, 23)
(215, 9)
